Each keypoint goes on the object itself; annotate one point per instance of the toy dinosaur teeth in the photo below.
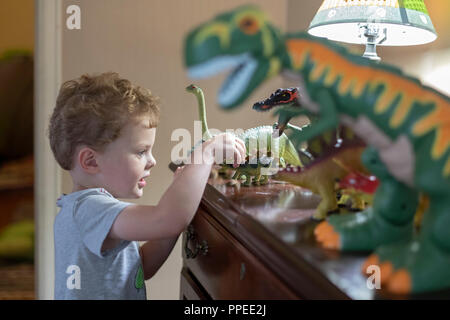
(215, 66)
(237, 82)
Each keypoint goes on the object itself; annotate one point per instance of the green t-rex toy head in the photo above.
(243, 40)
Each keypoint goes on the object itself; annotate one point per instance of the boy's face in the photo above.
(127, 161)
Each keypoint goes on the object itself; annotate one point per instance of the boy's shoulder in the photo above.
(76, 196)
(86, 215)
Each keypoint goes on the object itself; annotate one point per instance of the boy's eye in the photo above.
(142, 152)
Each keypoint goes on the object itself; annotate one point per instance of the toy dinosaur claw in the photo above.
(386, 268)
(326, 235)
(370, 261)
(281, 129)
(386, 272)
(278, 130)
(400, 282)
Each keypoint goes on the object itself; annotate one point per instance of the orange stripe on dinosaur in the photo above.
(317, 72)
(385, 99)
(395, 86)
(297, 53)
(329, 64)
(331, 76)
(447, 168)
(439, 120)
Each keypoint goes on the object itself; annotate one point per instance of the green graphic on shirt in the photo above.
(139, 280)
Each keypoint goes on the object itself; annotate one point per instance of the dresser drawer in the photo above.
(224, 268)
(189, 288)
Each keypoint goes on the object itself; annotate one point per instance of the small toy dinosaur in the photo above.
(322, 155)
(358, 189)
(407, 128)
(262, 149)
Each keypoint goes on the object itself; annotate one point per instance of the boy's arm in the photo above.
(154, 253)
(173, 213)
(179, 203)
(162, 224)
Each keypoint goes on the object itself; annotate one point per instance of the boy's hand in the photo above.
(224, 148)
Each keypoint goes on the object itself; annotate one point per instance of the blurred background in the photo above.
(142, 40)
(16, 150)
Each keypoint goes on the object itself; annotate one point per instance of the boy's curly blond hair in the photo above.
(92, 110)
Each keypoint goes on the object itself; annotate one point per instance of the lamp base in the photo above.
(371, 52)
(374, 36)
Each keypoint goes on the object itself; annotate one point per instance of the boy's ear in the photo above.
(87, 160)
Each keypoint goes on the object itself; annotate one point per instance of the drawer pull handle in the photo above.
(201, 248)
(242, 272)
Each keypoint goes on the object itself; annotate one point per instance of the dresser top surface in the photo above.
(278, 215)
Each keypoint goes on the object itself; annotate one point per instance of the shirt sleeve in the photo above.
(94, 214)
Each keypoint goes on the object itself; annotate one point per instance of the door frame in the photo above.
(47, 186)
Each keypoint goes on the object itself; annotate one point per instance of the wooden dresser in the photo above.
(258, 243)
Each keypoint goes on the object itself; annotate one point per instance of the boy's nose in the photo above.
(150, 163)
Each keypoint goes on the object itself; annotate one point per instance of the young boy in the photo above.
(102, 131)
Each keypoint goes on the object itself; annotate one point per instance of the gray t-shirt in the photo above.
(82, 270)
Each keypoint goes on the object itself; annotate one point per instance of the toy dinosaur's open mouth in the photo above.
(243, 67)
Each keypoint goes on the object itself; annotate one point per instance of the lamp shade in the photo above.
(406, 21)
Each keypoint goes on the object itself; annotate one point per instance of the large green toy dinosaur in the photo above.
(407, 126)
(323, 155)
(263, 150)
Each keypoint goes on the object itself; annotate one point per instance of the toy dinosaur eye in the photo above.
(249, 25)
(285, 96)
